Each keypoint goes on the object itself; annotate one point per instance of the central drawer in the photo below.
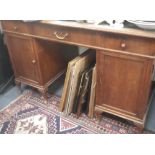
(65, 34)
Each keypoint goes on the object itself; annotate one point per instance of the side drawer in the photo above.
(16, 26)
(125, 43)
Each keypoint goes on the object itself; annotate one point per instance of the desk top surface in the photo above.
(103, 28)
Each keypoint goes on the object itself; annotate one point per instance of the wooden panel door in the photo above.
(23, 58)
(123, 83)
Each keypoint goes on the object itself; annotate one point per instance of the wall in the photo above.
(0, 27)
(82, 49)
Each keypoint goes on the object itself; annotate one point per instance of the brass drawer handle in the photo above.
(60, 35)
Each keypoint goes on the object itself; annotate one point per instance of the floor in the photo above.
(14, 92)
(150, 121)
(56, 89)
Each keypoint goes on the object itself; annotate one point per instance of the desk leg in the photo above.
(139, 126)
(98, 115)
(44, 94)
(18, 84)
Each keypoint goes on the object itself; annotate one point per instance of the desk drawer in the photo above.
(16, 26)
(126, 43)
(66, 35)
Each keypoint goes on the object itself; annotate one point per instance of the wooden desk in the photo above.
(124, 60)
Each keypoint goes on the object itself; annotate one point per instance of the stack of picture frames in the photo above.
(79, 88)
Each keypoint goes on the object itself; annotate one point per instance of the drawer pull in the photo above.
(123, 45)
(15, 28)
(33, 61)
(60, 36)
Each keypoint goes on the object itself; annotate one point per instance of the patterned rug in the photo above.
(28, 114)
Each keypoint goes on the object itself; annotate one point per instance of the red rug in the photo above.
(30, 115)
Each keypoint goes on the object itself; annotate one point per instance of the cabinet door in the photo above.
(23, 57)
(123, 83)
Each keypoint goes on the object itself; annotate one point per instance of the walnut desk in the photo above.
(124, 59)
